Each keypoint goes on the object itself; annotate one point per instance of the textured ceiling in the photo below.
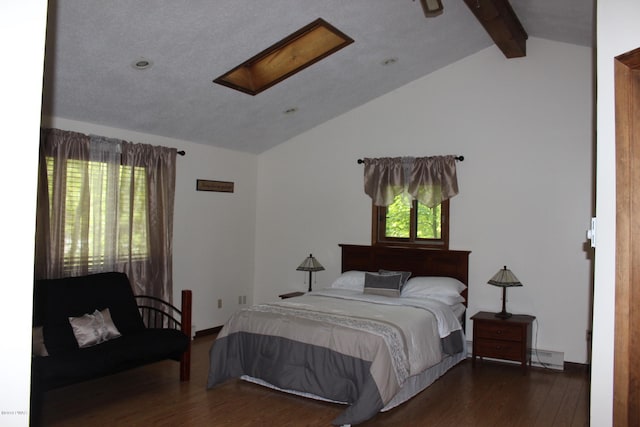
(91, 46)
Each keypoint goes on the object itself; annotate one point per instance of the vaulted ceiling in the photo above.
(92, 45)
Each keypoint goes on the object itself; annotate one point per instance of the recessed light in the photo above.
(142, 64)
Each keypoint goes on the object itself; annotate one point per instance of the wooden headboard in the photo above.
(420, 262)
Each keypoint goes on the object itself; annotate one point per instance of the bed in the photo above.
(372, 340)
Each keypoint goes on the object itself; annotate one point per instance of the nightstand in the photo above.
(507, 339)
(291, 295)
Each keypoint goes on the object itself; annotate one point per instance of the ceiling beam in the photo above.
(500, 21)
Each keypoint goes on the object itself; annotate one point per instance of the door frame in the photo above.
(626, 393)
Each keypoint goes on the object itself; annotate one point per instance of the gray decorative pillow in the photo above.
(92, 329)
(383, 284)
(405, 275)
(37, 342)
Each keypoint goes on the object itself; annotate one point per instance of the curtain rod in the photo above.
(460, 158)
(181, 152)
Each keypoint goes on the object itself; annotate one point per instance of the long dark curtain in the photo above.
(105, 205)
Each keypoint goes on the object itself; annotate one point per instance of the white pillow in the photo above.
(447, 299)
(352, 280)
(459, 310)
(95, 328)
(426, 286)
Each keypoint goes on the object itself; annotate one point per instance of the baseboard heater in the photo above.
(539, 358)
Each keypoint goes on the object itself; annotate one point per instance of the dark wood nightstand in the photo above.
(507, 339)
(291, 295)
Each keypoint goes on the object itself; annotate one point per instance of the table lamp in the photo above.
(310, 264)
(505, 279)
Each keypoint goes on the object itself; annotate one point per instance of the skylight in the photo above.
(290, 55)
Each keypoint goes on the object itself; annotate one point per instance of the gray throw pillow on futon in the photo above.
(388, 285)
(95, 328)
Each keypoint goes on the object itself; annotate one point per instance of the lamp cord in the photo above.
(536, 349)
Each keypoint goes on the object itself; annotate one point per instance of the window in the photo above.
(428, 181)
(411, 224)
(90, 238)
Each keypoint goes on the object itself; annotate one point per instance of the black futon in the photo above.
(146, 334)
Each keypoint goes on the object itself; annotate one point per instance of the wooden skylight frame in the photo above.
(290, 55)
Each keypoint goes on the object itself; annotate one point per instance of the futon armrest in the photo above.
(157, 313)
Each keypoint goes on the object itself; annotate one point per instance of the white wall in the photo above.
(618, 32)
(213, 233)
(22, 35)
(525, 129)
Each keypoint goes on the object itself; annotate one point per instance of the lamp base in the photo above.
(503, 315)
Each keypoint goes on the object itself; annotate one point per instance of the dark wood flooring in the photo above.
(492, 394)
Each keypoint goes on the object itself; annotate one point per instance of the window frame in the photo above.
(378, 226)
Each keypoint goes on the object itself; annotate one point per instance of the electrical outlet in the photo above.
(220, 303)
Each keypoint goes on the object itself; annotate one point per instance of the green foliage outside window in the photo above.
(86, 231)
(398, 220)
(429, 226)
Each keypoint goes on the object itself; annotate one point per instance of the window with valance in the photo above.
(410, 198)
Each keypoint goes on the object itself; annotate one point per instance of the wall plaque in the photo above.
(219, 186)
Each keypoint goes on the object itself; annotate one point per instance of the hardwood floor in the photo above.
(490, 395)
